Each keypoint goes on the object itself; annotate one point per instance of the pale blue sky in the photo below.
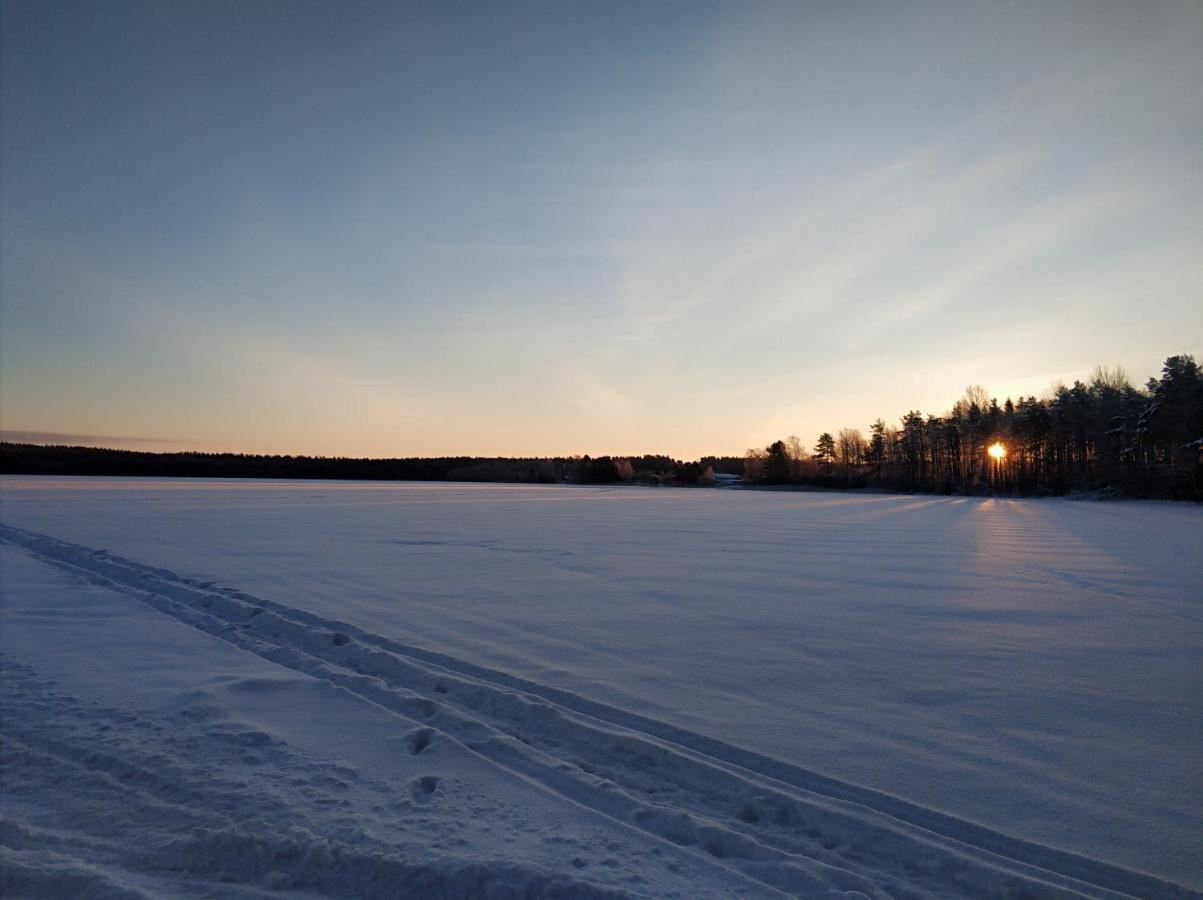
(526, 228)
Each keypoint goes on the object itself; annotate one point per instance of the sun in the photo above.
(997, 450)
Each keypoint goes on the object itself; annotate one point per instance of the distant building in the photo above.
(723, 480)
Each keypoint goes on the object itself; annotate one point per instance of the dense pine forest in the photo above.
(1103, 437)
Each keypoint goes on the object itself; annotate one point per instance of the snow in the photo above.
(487, 690)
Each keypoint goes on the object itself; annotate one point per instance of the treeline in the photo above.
(1104, 436)
(35, 459)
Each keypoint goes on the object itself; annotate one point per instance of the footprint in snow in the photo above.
(422, 788)
(418, 741)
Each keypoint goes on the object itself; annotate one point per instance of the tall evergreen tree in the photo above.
(825, 450)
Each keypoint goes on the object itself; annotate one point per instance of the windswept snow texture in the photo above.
(247, 688)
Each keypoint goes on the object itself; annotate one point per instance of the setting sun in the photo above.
(997, 450)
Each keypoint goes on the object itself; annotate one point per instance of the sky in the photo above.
(406, 229)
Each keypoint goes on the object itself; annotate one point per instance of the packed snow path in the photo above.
(722, 816)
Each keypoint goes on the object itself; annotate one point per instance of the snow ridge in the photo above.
(788, 829)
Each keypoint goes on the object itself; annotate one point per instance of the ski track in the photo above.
(788, 829)
(201, 848)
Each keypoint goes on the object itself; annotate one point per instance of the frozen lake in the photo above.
(642, 691)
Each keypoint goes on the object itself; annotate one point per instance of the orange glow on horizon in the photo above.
(997, 450)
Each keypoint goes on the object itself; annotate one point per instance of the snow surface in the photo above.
(428, 690)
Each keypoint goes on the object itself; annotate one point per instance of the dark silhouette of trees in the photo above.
(692, 473)
(603, 470)
(34, 459)
(875, 453)
(825, 450)
(850, 449)
(778, 464)
(1102, 436)
(724, 465)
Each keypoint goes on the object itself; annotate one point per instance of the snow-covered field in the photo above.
(243, 688)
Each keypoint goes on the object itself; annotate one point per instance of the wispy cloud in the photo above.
(768, 218)
(97, 440)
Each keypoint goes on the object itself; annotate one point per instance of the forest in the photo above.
(1103, 437)
(39, 459)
